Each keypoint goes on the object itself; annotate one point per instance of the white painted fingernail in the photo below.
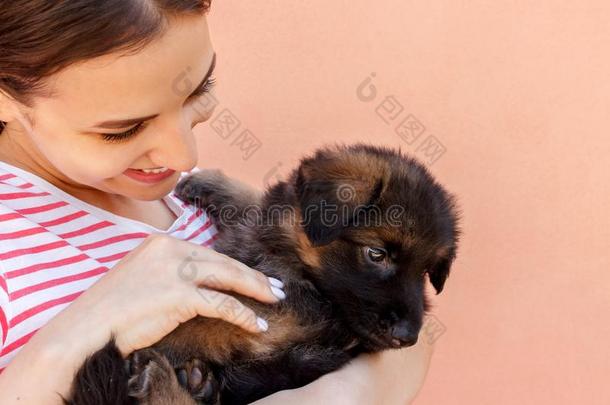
(275, 282)
(262, 324)
(278, 293)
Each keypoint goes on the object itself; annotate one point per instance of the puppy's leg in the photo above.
(213, 191)
(233, 207)
(153, 380)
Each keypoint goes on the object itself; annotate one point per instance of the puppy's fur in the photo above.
(351, 233)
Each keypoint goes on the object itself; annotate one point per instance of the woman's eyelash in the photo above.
(205, 88)
(124, 135)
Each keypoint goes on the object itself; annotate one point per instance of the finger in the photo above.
(215, 304)
(231, 275)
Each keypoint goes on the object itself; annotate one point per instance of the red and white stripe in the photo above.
(54, 246)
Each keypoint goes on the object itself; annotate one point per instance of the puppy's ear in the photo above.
(449, 217)
(332, 188)
(439, 272)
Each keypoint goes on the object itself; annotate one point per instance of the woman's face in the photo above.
(164, 90)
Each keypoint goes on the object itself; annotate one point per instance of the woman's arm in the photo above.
(45, 366)
(389, 377)
(120, 303)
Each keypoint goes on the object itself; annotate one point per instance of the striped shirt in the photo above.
(54, 246)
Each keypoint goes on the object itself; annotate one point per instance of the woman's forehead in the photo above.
(139, 84)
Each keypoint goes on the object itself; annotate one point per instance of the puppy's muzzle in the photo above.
(402, 334)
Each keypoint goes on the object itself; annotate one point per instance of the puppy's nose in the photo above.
(403, 335)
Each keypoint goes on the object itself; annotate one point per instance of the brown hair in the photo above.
(40, 37)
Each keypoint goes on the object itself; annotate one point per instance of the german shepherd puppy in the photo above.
(351, 233)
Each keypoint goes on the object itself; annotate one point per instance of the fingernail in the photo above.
(262, 324)
(278, 293)
(275, 282)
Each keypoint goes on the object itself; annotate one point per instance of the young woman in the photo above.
(98, 100)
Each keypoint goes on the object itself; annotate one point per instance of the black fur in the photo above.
(341, 301)
(102, 379)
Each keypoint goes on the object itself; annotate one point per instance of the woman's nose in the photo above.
(175, 146)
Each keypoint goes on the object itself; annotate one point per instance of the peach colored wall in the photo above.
(518, 93)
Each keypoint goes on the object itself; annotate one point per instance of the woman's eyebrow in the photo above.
(124, 123)
(116, 124)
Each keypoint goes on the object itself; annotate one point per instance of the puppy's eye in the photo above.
(376, 254)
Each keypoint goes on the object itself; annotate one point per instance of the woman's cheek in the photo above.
(93, 160)
(83, 158)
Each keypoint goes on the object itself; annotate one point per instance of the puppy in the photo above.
(352, 234)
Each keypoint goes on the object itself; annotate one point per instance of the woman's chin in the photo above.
(150, 192)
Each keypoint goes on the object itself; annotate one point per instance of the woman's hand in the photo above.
(392, 377)
(158, 285)
(165, 282)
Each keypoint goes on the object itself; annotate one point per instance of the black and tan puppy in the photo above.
(352, 233)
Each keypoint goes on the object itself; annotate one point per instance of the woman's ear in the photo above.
(12, 110)
(6, 107)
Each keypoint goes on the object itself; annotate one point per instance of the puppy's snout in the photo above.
(403, 334)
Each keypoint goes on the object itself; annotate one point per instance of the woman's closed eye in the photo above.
(207, 86)
(123, 136)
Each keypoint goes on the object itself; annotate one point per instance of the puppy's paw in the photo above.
(147, 369)
(197, 378)
(153, 380)
(197, 188)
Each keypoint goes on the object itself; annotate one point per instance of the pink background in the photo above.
(518, 94)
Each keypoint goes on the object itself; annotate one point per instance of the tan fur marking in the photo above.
(309, 254)
(283, 327)
(306, 251)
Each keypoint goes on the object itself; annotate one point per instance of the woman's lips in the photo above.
(148, 178)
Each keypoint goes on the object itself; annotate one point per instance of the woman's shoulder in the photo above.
(11, 182)
(38, 225)
(21, 201)
(16, 189)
